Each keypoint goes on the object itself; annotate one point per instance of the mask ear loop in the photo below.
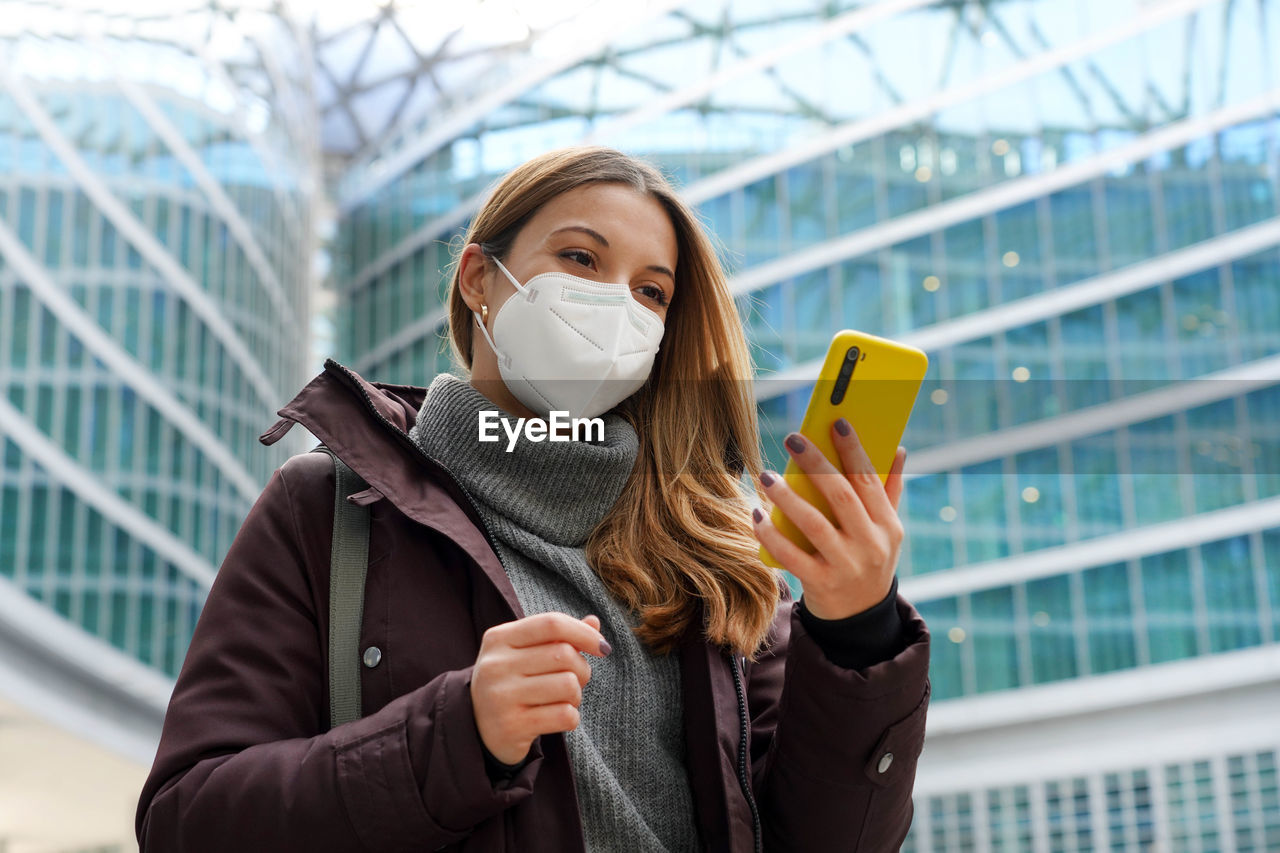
(505, 359)
(520, 287)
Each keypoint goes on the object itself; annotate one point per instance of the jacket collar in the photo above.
(366, 424)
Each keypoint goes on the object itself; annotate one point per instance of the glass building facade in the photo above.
(155, 284)
(1072, 208)
(1070, 205)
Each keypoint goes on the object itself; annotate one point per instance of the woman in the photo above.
(570, 644)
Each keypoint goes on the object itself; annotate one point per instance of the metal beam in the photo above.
(406, 337)
(144, 383)
(921, 109)
(80, 683)
(1169, 712)
(1131, 544)
(88, 487)
(223, 206)
(1061, 300)
(1001, 196)
(860, 18)
(1175, 397)
(142, 239)
(414, 146)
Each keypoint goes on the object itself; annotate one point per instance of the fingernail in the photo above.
(842, 427)
(757, 514)
(795, 443)
(605, 648)
(767, 478)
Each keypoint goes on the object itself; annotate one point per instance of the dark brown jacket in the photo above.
(245, 763)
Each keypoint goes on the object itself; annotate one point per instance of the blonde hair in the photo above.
(677, 547)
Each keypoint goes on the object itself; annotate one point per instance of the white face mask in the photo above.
(571, 344)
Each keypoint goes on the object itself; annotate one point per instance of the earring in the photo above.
(484, 313)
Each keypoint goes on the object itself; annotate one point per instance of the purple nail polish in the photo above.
(842, 427)
(795, 443)
(767, 478)
(757, 514)
(605, 648)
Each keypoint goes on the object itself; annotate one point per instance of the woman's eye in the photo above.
(657, 294)
(578, 256)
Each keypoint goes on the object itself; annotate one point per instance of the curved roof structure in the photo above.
(346, 75)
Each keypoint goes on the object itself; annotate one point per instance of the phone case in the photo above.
(881, 392)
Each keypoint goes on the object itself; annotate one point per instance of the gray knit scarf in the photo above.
(540, 502)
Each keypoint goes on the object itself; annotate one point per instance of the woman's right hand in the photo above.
(528, 678)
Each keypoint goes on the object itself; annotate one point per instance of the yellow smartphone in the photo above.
(872, 382)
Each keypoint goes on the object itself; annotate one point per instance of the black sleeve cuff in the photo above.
(863, 639)
(497, 770)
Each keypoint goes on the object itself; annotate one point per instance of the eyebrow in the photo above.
(599, 238)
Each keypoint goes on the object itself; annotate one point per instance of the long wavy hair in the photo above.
(677, 547)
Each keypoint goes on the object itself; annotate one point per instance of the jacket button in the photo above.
(372, 656)
(885, 761)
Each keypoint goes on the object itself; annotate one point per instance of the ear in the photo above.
(472, 266)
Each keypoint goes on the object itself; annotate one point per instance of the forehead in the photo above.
(632, 221)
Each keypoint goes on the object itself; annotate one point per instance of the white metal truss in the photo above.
(142, 239)
(401, 151)
(1099, 551)
(89, 488)
(922, 108)
(843, 25)
(902, 114)
(143, 382)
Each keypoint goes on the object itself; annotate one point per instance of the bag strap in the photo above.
(348, 565)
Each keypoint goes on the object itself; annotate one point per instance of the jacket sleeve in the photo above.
(834, 749)
(244, 761)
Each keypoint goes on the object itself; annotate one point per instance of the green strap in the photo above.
(347, 567)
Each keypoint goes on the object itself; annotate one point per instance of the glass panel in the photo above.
(1264, 446)
(1204, 328)
(1216, 456)
(1230, 594)
(1142, 347)
(1109, 614)
(1053, 648)
(995, 647)
(1156, 471)
(1271, 565)
(985, 523)
(1257, 310)
(931, 547)
(1095, 477)
(1033, 391)
(1084, 358)
(944, 658)
(1168, 599)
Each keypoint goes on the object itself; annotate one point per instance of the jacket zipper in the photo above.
(477, 519)
(744, 722)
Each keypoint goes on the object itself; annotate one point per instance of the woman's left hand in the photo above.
(852, 568)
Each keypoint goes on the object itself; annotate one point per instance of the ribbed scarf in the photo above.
(540, 503)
